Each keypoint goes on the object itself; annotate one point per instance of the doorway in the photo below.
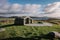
(27, 21)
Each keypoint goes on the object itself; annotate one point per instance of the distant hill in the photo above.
(2, 17)
(45, 17)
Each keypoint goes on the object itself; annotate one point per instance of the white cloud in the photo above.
(2, 2)
(52, 7)
(15, 7)
(30, 9)
(53, 10)
(26, 7)
(4, 8)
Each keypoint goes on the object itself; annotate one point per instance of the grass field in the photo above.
(6, 21)
(26, 31)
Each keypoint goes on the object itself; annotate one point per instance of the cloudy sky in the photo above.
(50, 8)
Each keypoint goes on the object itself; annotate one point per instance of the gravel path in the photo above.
(44, 24)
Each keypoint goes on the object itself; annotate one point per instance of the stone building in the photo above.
(28, 20)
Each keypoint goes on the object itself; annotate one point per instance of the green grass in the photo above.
(6, 21)
(23, 31)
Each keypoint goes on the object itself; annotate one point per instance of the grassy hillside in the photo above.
(24, 31)
(6, 21)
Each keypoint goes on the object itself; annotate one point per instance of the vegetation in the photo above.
(6, 21)
(26, 31)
